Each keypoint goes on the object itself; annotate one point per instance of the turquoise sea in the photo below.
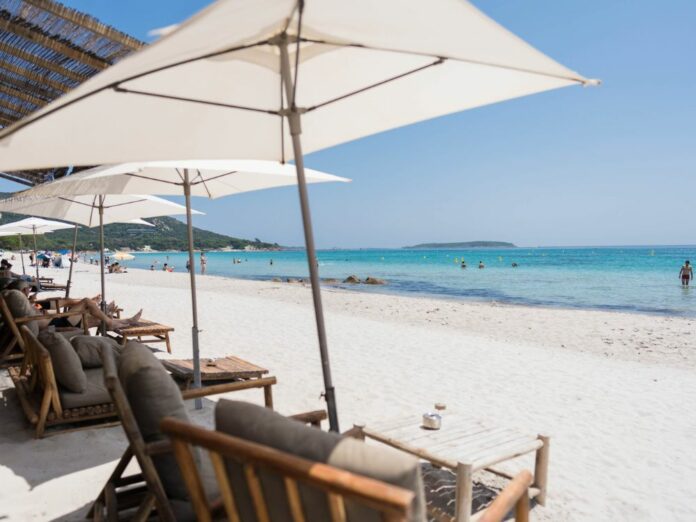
(636, 279)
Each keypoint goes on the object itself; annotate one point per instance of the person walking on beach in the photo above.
(686, 273)
(204, 262)
(188, 266)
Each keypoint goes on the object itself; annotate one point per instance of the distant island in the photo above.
(464, 244)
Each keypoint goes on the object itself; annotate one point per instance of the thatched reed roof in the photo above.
(46, 49)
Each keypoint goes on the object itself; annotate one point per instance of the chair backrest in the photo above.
(11, 335)
(140, 449)
(391, 502)
(39, 368)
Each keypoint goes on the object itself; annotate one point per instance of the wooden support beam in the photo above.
(33, 35)
(33, 76)
(41, 62)
(10, 91)
(15, 108)
(24, 85)
(87, 22)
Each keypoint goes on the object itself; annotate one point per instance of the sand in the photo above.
(615, 391)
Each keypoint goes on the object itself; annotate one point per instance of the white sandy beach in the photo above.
(614, 391)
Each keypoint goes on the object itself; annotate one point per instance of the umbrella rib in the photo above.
(388, 80)
(29, 120)
(204, 182)
(155, 179)
(455, 59)
(120, 89)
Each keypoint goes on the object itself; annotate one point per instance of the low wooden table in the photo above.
(223, 369)
(463, 445)
(146, 332)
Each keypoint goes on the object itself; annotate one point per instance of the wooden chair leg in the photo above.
(43, 413)
(166, 340)
(541, 469)
(145, 508)
(268, 396)
(462, 505)
(115, 475)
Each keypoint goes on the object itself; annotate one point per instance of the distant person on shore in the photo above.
(204, 263)
(31, 258)
(165, 267)
(686, 273)
(481, 265)
(188, 265)
(152, 267)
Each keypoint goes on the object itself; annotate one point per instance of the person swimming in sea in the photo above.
(686, 273)
(481, 265)
(514, 265)
(463, 263)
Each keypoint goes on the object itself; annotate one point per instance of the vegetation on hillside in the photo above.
(167, 234)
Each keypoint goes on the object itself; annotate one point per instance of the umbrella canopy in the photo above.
(365, 67)
(245, 79)
(123, 256)
(31, 225)
(84, 209)
(208, 178)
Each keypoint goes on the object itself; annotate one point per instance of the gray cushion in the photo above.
(153, 395)
(19, 306)
(89, 347)
(95, 392)
(66, 364)
(263, 426)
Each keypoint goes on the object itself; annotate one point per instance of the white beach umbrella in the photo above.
(33, 226)
(92, 211)
(209, 178)
(245, 78)
(123, 256)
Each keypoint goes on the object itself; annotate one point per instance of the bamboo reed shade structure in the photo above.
(47, 49)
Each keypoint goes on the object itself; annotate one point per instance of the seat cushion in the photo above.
(19, 306)
(153, 395)
(89, 347)
(95, 392)
(263, 426)
(66, 364)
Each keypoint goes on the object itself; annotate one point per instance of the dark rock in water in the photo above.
(291, 280)
(352, 279)
(375, 281)
(277, 280)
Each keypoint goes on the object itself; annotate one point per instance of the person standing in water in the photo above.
(686, 273)
(481, 265)
(204, 262)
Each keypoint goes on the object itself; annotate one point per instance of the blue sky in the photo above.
(599, 166)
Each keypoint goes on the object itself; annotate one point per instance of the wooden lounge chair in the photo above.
(143, 377)
(46, 403)
(15, 310)
(268, 472)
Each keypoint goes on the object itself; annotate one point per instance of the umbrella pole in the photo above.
(36, 259)
(293, 116)
(194, 301)
(21, 255)
(101, 261)
(72, 262)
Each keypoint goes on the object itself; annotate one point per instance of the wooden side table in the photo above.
(464, 446)
(146, 332)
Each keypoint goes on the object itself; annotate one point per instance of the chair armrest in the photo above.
(194, 393)
(313, 418)
(28, 319)
(158, 447)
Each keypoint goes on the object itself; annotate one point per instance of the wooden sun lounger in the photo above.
(39, 396)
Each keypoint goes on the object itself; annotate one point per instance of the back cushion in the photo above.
(19, 306)
(263, 426)
(153, 395)
(66, 364)
(89, 347)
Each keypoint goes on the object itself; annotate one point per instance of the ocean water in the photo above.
(635, 279)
